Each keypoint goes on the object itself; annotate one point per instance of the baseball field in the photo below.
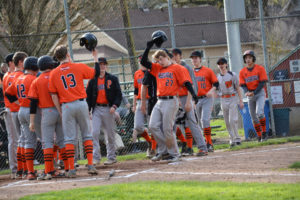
(268, 170)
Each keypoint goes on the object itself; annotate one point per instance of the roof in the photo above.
(186, 36)
(285, 58)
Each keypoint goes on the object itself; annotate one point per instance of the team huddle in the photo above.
(47, 99)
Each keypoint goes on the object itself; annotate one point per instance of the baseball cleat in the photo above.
(174, 159)
(183, 148)
(25, 173)
(110, 161)
(264, 137)
(201, 153)
(92, 170)
(31, 176)
(71, 173)
(238, 143)
(258, 139)
(19, 174)
(157, 157)
(210, 148)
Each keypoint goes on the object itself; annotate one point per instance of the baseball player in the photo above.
(252, 79)
(207, 84)
(18, 59)
(19, 90)
(68, 94)
(108, 96)
(231, 96)
(169, 78)
(140, 117)
(192, 126)
(51, 120)
(149, 87)
(13, 135)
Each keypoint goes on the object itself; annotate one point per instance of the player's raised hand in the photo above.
(95, 54)
(150, 44)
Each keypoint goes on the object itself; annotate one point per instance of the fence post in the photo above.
(170, 9)
(261, 18)
(123, 70)
(68, 28)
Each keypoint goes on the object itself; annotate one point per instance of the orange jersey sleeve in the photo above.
(39, 90)
(67, 81)
(138, 81)
(8, 80)
(251, 78)
(169, 79)
(183, 90)
(205, 78)
(101, 98)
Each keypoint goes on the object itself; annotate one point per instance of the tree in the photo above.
(34, 26)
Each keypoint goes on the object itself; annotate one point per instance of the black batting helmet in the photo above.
(159, 37)
(88, 40)
(251, 53)
(30, 63)
(46, 62)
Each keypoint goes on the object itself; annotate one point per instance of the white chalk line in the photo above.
(26, 182)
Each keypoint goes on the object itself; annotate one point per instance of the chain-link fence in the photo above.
(122, 29)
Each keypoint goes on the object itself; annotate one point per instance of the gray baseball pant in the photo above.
(51, 123)
(102, 118)
(192, 123)
(161, 124)
(17, 125)
(256, 106)
(139, 118)
(30, 137)
(13, 137)
(204, 108)
(230, 113)
(73, 113)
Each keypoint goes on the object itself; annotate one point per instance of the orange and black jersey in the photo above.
(138, 81)
(8, 79)
(205, 79)
(252, 77)
(40, 90)
(20, 88)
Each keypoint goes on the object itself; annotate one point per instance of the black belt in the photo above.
(166, 97)
(81, 99)
(201, 97)
(102, 105)
(73, 101)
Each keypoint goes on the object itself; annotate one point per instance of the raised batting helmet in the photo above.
(159, 37)
(88, 40)
(46, 62)
(30, 63)
(251, 53)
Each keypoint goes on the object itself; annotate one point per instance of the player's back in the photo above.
(67, 81)
(23, 84)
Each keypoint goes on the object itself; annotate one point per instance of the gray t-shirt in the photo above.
(228, 83)
(192, 74)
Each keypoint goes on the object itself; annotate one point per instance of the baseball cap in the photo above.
(102, 60)
(222, 60)
(9, 58)
(169, 54)
(176, 51)
(196, 53)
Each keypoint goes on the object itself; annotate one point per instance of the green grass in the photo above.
(295, 165)
(191, 190)
(222, 131)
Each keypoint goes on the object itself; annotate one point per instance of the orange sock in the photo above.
(257, 129)
(63, 154)
(207, 134)
(146, 136)
(179, 135)
(48, 157)
(23, 159)
(70, 151)
(88, 147)
(263, 124)
(153, 142)
(29, 156)
(189, 137)
(55, 149)
(19, 159)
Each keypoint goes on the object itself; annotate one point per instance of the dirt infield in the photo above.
(264, 164)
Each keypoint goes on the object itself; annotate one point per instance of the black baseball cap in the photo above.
(222, 60)
(168, 53)
(102, 60)
(176, 51)
(9, 58)
(196, 53)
